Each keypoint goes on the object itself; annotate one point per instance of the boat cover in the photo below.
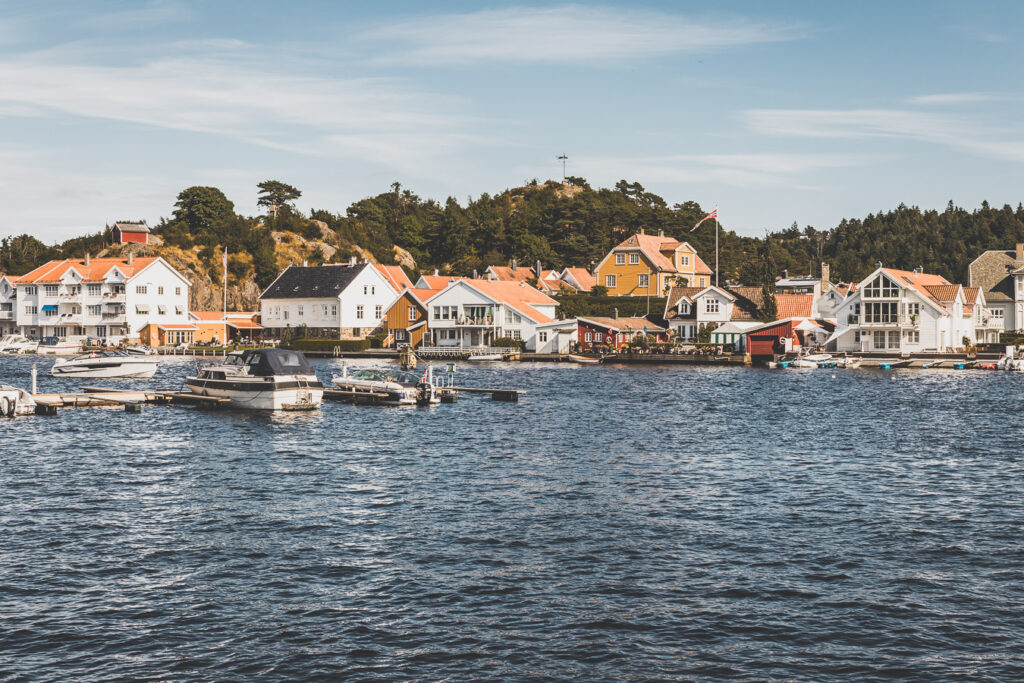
(270, 362)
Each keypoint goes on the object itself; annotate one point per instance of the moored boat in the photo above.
(106, 365)
(15, 401)
(16, 343)
(401, 387)
(261, 379)
(58, 346)
(585, 360)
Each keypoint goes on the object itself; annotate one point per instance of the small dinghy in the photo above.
(586, 360)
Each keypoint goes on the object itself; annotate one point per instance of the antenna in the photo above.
(563, 159)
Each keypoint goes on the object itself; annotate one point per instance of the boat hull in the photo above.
(262, 394)
(123, 370)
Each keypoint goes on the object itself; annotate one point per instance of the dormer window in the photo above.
(881, 288)
(684, 259)
(634, 259)
(684, 308)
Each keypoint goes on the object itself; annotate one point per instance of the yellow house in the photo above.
(645, 264)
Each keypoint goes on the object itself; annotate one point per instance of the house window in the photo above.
(30, 291)
(703, 282)
(298, 311)
(879, 339)
(894, 339)
(913, 309)
(609, 281)
(997, 314)
(95, 290)
(684, 259)
(589, 336)
(369, 289)
(881, 312)
(93, 310)
(684, 308)
(286, 314)
(31, 310)
(516, 334)
(856, 336)
(881, 288)
(378, 312)
(359, 312)
(356, 331)
(643, 280)
(49, 313)
(334, 310)
(711, 305)
(634, 259)
(177, 291)
(412, 314)
(542, 336)
(620, 259)
(140, 289)
(913, 337)
(159, 291)
(51, 290)
(60, 331)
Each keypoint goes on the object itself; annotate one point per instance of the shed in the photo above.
(135, 233)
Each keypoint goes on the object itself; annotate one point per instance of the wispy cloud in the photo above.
(963, 98)
(958, 132)
(153, 13)
(571, 33)
(745, 170)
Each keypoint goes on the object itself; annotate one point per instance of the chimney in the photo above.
(305, 263)
(661, 233)
(642, 231)
(513, 264)
(1020, 251)
(538, 269)
(351, 261)
(436, 272)
(826, 277)
(785, 273)
(615, 313)
(131, 257)
(87, 258)
(475, 274)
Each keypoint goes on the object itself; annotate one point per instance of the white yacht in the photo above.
(401, 387)
(261, 379)
(58, 346)
(16, 343)
(106, 365)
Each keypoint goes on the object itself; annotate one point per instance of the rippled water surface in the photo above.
(646, 523)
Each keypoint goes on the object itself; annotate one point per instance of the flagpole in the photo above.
(225, 297)
(716, 246)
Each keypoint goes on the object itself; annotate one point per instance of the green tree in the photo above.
(769, 309)
(200, 208)
(276, 193)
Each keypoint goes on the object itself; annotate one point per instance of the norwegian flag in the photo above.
(713, 214)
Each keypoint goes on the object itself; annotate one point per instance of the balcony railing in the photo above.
(481, 321)
(112, 316)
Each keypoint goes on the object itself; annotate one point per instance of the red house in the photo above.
(124, 233)
(616, 332)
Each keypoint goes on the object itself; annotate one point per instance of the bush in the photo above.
(590, 305)
(508, 342)
(328, 345)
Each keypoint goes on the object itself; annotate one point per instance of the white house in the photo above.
(344, 299)
(910, 311)
(1000, 275)
(8, 300)
(557, 336)
(473, 313)
(106, 298)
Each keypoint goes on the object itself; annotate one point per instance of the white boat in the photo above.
(15, 401)
(486, 357)
(850, 362)
(140, 350)
(810, 361)
(58, 346)
(261, 379)
(585, 360)
(106, 365)
(401, 387)
(16, 343)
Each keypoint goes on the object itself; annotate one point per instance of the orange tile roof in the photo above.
(555, 286)
(244, 325)
(438, 281)
(971, 294)
(625, 324)
(395, 275)
(96, 271)
(794, 305)
(518, 295)
(650, 245)
(699, 267)
(208, 315)
(584, 277)
(423, 294)
(506, 274)
(919, 281)
(944, 293)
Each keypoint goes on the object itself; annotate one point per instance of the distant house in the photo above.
(649, 265)
(557, 336)
(130, 233)
(407, 319)
(474, 313)
(214, 326)
(346, 301)
(8, 301)
(1000, 275)
(434, 281)
(616, 332)
(395, 275)
(579, 278)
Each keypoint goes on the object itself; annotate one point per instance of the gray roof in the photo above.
(991, 271)
(132, 227)
(312, 282)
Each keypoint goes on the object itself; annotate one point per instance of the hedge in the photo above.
(586, 305)
(328, 345)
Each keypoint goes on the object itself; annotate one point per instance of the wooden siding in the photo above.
(398, 320)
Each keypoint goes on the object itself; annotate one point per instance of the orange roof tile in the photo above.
(439, 281)
(423, 294)
(919, 281)
(395, 275)
(584, 277)
(625, 324)
(507, 274)
(96, 271)
(794, 305)
(944, 293)
(650, 245)
(699, 267)
(208, 315)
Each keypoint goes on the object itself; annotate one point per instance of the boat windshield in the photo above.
(101, 354)
(379, 375)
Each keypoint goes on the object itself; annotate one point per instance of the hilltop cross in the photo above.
(563, 159)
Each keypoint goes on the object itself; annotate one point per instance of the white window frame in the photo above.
(359, 311)
(643, 280)
(711, 305)
(634, 259)
(610, 281)
(620, 259)
(378, 311)
(412, 314)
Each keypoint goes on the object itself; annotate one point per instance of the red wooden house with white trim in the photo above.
(130, 233)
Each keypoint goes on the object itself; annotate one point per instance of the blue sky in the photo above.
(775, 112)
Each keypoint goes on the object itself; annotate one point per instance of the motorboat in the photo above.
(401, 387)
(261, 379)
(15, 401)
(585, 360)
(58, 346)
(849, 362)
(16, 343)
(813, 360)
(140, 350)
(106, 365)
(486, 357)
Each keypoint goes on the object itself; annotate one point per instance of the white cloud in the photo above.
(960, 98)
(746, 170)
(571, 33)
(958, 132)
(153, 13)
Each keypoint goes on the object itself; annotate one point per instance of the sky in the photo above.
(781, 112)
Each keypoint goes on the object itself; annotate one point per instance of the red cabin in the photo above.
(136, 233)
(777, 337)
(616, 332)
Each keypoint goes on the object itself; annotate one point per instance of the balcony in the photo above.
(112, 316)
(485, 321)
(6, 315)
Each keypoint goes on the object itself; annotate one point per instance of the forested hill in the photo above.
(557, 223)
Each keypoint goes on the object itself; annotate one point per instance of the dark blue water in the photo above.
(654, 523)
